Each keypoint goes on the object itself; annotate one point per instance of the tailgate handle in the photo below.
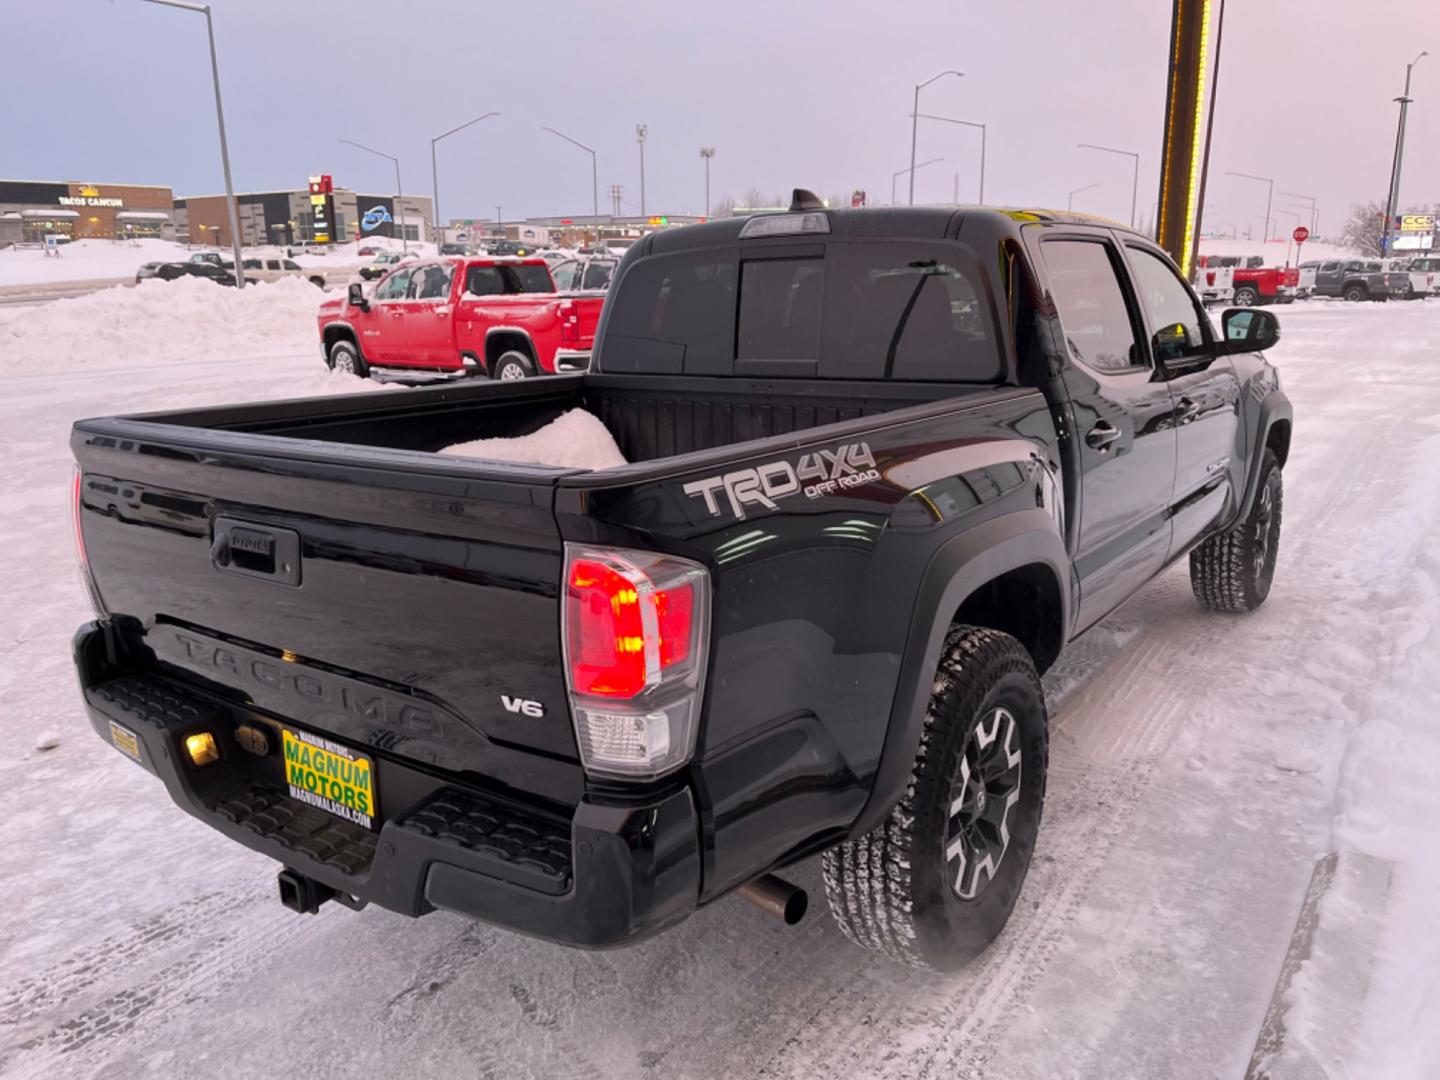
(259, 551)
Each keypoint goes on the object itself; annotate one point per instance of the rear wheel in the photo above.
(1355, 293)
(1246, 296)
(1233, 570)
(345, 359)
(935, 882)
(511, 365)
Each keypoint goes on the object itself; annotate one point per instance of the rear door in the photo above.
(1205, 392)
(1123, 419)
(429, 319)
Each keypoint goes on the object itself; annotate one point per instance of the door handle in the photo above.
(1186, 410)
(1101, 436)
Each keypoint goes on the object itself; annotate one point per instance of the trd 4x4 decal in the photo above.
(822, 473)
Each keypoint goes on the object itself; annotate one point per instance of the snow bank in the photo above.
(574, 440)
(86, 260)
(158, 321)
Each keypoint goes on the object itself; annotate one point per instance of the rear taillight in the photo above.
(78, 536)
(569, 323)
(635, 635)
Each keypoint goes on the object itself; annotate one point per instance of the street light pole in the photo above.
(1314, 210)
(641, 130)
(1135, 179)
(914, 126)
(594, 176)
(399, 190)
(1269, 198)
(1070, 199)
(435, 173)
(707, 152)
(232, 209)
(966, 123)
(1392, 203)
(911, 171)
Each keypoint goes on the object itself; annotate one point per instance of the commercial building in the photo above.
(286, 217)
(566, 230)
(31, 210)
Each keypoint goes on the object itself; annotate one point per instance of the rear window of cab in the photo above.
(900, 310)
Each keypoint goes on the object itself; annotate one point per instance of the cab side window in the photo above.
(433, 282)
(395, 286)
(1086, 287)
(1178, 321)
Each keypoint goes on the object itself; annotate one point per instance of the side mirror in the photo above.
(1249, 330)
(357, 296)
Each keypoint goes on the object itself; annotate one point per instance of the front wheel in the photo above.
(345, 359)
(1233, 570)
(934, 883)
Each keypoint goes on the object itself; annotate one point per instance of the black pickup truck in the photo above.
(883, 465)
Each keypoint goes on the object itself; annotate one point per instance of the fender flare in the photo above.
(1275, 407)
(959, 567)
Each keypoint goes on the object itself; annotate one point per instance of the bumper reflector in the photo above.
(201, 748)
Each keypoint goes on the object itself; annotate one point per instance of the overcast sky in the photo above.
(793, 93)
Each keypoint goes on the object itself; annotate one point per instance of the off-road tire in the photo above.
(508, 363)
(1246, 296)
(1233, 571)
(891, 890)
(1356, 293)
(345, 357)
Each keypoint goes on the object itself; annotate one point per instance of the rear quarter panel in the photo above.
(817, 551)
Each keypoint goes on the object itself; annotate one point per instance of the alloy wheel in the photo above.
(983, 797)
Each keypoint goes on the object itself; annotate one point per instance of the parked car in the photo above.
(451, 318)
(587, 273)
(384, 263)
(169, 271)
(878, 479)
(1420, 279)
(450, 247)
(271, 268)
(1359, 279)
(214, 258)
(510, 247)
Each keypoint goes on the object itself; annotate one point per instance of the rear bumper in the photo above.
(568, 361)
(601, 874)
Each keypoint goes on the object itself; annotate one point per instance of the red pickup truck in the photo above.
(450, 318)
(1256, 283)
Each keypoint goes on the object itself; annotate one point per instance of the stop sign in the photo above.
(1300, 235)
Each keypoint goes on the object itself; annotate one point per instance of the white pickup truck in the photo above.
(1215, 284)
(260, 268)
(1424, 273)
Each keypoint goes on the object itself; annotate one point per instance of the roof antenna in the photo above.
(805, 200)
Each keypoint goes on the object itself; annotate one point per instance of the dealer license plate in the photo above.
(330, 776)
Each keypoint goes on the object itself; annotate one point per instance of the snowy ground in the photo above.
(1202, 766)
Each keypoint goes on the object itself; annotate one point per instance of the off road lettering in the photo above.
(825, 472)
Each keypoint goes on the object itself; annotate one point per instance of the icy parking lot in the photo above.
(1202, 767)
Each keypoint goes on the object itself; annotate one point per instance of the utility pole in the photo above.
(707, 152)
(641, 130)
(1392, 203)
(915, 122)
(616, 190)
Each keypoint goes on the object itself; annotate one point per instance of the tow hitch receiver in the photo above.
(305, 895)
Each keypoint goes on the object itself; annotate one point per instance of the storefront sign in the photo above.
(89, 200)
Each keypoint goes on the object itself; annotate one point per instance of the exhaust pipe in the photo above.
(776, 896)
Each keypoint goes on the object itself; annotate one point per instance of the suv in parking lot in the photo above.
(882, 466)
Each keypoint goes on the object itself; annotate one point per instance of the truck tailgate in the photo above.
(395, 600)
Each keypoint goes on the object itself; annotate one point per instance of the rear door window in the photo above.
(598, 275)
(780, 305)
(564, 275)
(526, 279)
(674, 313)
(1084, 280)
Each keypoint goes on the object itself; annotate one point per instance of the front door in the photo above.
(382, 335)
(1122, 421)
(429, 318)
(1206, 392)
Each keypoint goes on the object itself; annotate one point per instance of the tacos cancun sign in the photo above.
(89, 195)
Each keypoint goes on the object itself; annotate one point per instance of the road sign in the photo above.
(1417, 222)
(1300, 235)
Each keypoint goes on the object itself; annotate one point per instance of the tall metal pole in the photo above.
(970, 124)
(1209, 133)
(1135, 166)
(1392, 202)
(404, 243)
(895, 178)
(435, 174)
(1314, 210)
(1070, 199)
(232, 209)
(707, 152)
(982, 164)
(1269, 197)
(641, 130)
(594, 175)
(914, 125)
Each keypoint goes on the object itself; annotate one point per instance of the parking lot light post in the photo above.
(914, 126)
(911, 171)
(1314, 210)
(707, 152)
(1070, 199)
(1290, 239)
(1269, 199)
(435, 175)
(230, 205)
(972, 124)
(399, 191)
(1392, 201)
(1135, 170)
(641, 130)
(594, 176)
